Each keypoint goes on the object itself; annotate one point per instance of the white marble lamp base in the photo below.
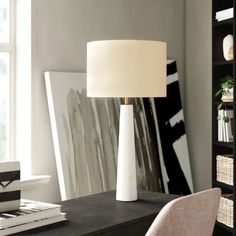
(126, 188)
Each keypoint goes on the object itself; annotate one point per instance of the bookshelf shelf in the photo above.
(224, 144)
(220, 69)
(223, 63)
(224, 186)
(224, 22)
(226, 104)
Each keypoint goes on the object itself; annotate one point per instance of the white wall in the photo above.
(198, 89)
(61, 29)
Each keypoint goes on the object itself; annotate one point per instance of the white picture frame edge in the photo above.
(48, 75)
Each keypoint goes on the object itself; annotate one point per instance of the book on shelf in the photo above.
(34, 224)
(219, 127)
(224, 14)
(229, 125)
(29, 211)
(227, 100)
(225, 129)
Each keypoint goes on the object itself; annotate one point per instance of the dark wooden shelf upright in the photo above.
(220, 69)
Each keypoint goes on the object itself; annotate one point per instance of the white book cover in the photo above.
(222, 126)
(219, 127)
(29, 211)
(32, 225)
(224, 18)
(229, 113)
(226, 128)
(227, 12)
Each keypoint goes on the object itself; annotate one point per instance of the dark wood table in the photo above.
(101, 214)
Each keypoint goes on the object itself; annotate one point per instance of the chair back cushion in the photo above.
(191, 215)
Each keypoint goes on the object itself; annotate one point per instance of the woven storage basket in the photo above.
(225, 213)
(224, 169)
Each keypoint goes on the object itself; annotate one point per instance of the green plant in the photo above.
(225, 85)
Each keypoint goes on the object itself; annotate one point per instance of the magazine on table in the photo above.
(32, 225)
(29, 211)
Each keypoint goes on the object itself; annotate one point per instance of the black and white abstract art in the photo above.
(85, 136)
(170, 127)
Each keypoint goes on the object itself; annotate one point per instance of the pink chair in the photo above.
(192, 215)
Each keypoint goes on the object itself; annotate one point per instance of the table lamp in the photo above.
(126, 68)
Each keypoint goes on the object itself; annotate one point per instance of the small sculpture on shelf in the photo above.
(228, 47)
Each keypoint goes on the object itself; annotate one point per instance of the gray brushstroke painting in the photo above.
(87, 130)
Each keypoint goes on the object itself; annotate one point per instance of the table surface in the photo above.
(98, 213)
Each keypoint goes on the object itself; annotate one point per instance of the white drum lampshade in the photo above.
(126, 68)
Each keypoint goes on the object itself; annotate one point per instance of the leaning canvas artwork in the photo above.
(85, 136)
(174, 153)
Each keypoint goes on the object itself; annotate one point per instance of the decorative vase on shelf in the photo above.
(228, 45)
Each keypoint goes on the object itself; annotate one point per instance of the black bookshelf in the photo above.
(220, 69)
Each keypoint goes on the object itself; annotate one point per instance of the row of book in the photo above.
(225, 125)
(30, 215)
(224, 14)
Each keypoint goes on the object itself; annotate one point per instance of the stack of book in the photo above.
(30, 215)
(229, 96)
(225, 129)
(225, 14)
